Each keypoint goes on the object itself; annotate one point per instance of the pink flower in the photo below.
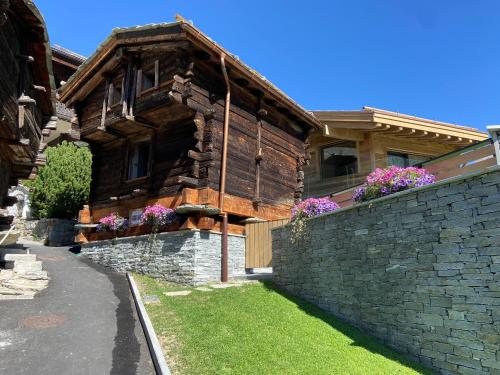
(112, 223)
(158, 216)
(390, 180)
(313, 207)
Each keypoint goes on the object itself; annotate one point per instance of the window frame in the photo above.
(321, 158)
(405, 152)
(151, 70)
(115, 88)
(130, 148)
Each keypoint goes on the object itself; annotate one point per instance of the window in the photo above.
(148, 80)
(404, 160)
(138, 162)
(340, 159)
(114, 94)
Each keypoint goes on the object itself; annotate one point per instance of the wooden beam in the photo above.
(350, 125)
(419, 134)
(394, 130)
(405, 133)
(346, 134)
(189, 181)
(380, 128)
(140, 123)
(163, 47)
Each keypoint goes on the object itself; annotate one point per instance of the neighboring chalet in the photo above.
(172, 117)
(64, 64)
(354, 143)
(27, 94)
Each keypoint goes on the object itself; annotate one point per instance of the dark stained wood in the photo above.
(184, 113)
(27, 92)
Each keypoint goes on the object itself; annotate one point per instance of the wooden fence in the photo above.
(457, 163)
(259, 243)
(467, 160)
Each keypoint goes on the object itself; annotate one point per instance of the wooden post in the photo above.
(138, 90)
(258, 156)
(111, 96)
(495, 136)
(157, 73)
(133, 91)
(104, 105)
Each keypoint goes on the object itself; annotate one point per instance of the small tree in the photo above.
(62, 186)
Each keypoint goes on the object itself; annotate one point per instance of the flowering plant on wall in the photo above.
(390, 180)
(112, 223)
(308, 208)
(157, 216)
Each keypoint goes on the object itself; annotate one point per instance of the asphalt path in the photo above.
(84, 322)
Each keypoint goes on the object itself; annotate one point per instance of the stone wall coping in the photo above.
(399, 194)
(161, 234)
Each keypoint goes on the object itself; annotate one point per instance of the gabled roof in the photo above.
(153, 33)
(392, 123)
(67, 56)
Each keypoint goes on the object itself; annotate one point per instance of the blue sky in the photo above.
(438, 59)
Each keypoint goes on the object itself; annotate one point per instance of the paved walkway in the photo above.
(85, 322)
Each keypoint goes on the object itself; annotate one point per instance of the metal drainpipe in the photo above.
(222, 189)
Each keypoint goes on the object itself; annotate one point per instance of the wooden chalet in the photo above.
(352, 144)
(172, 117)
(27, 96)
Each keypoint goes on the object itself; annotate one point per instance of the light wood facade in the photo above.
(354, 143)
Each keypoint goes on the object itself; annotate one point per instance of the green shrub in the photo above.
(62, 186)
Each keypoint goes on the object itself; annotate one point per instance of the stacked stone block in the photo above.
(187, 257)
(55, 232)
(419, 269)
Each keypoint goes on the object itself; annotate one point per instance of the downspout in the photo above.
(222, 188)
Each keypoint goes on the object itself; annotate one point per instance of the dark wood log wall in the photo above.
(20, 125)
(188, 140)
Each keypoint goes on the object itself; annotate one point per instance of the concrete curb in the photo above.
(159, 362)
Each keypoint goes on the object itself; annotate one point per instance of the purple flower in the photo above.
(158, 216)
(313, 207)
(112, 223)
(390, 180)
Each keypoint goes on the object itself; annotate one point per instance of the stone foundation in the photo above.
(187, 257)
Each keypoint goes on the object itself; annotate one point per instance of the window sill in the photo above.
(151, 89)
(138, 179)
(115, 105)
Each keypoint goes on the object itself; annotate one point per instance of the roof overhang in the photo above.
(38, 47)
(400, 125)
(89, 74)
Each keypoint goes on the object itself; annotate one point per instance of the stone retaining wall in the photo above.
(187, 257)
(419, 269)
(53, 232)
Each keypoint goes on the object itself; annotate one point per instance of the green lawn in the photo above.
(255, 329)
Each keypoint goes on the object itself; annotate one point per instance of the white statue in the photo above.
(22, 208)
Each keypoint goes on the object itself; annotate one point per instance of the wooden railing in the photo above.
(461, 162)
(259, 243)
(457, 163)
